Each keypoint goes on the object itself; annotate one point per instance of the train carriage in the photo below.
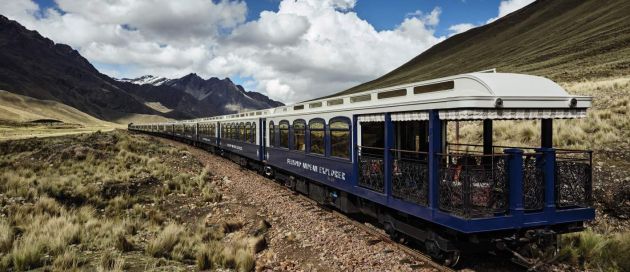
(385, 154)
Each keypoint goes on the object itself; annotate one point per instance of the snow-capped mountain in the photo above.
(197, 97)
(147, 79)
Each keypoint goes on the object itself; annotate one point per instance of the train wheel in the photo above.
(452, 258)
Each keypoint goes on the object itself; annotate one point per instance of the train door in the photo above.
(371, 152)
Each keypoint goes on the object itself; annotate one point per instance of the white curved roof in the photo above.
(466, 91)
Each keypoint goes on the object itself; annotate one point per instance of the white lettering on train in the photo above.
(318, 169)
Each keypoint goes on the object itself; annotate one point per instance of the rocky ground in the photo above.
(302, 236)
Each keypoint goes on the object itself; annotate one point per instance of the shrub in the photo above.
(6, 236)
(111, 261)
(68, 260)
(163, 244)
(244, 260)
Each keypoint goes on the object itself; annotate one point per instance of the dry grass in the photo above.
(596, 251)
(105, 193)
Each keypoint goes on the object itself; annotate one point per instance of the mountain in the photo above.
(195, 96)
(565, 40)
(34, 66)
(148, 79)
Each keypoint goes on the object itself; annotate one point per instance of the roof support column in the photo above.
(435, 147)
(487, 136)
(389, 144)
(546, 133)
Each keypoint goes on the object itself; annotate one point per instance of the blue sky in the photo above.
(387, 14)
(296, 50)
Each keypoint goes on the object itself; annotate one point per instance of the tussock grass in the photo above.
(102, 193)
(590, 250)
(164, 243)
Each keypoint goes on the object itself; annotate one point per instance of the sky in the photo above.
(291, 50)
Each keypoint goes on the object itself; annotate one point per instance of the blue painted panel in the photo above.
(207, 140)
(334, 172)
(247, 150)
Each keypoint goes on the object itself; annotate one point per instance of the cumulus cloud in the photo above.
(306, 49)
(508, 6)
(459, 28)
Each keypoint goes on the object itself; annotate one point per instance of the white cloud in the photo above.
(459, 28)
(308, 48)
(508, 6)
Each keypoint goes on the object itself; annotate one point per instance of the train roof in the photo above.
(480, 90)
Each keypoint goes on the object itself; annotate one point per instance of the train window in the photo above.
(442, 86)
(372, 138)
(223, 135)
(315, 105)
(283, 127)
(248, 132)
(299, 133)
(272, 134)
(241, 132)
(316, 131)
(298, 107)
(230, 131)
(253, 137)
(340, 138)
(360, 98)
(390, 94)
(334, 102)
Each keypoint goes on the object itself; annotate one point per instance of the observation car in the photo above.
(385, 154)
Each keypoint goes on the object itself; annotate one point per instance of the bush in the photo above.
(6, 236)
(163, 244)
(596, 251)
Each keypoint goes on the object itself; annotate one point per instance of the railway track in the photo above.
(370, 230)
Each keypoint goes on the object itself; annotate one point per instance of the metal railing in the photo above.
(472, 185)
(410, 176)
(533, 182)
(371, 168)
(574, 178)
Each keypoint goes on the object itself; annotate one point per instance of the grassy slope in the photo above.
(17, 110)
(112, 202)
(564, 40)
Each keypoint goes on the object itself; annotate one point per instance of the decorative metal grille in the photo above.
(533, 182)
(573, 179)
(372, 172)
(473, 185)
(410, 179)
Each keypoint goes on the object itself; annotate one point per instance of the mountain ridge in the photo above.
(37, 67)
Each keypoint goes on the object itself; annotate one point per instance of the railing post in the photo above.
(387, 156)
(549, 176)
(515, 177)
(435, 147)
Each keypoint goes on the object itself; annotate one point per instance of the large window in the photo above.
(340, 138)
(253, 137)
(272, 134)
(372, 138)
(241, 132)
(317, 130)
(283, 128)
(299, 133)
(248, 132)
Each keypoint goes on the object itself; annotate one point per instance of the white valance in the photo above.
(476, 114)
(372, 118)
(410, 116)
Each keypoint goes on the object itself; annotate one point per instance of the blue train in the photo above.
(393, 155)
